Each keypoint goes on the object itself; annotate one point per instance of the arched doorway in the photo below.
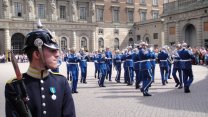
(131, 42)
(190, 35)
(116, 43)
(100, 43)
(84, 43)
(146, 38)
(17, 43)
(63, 44)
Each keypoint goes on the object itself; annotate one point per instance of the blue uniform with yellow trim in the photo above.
(153, 64)
(129, 67)
(102, 69)
(74, 69)
(137, 60)
(164, 66)
(96, 65)
(117, 60)
(109, 57)
(186, 65)
(41, 103)
(145, 69)
(177, 68)
(83, 67)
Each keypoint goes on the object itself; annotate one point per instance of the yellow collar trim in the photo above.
(37, 73)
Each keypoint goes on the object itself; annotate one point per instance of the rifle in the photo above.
(20, 88)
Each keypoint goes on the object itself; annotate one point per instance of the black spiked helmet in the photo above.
(42, 37)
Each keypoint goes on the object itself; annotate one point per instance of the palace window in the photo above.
(115, 14)
(62, 12)
(155, 14)
(41, 11)
(116, 43)
(155, 2)
(100, 43)
(83, 12)
(129, 1)
(205, 26)
(100, 14)
(84, 43)
(130, 14)
(63, 44)
(172, 30)
(143, 15)
(155, 35)
(142, 2)
(17, 9)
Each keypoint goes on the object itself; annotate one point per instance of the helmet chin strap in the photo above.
(39, 43)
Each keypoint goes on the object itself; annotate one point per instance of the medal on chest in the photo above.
(53, 91)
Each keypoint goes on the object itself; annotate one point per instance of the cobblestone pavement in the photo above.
(119, 100)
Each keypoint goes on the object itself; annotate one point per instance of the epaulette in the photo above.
(56, 73)
(11, 80)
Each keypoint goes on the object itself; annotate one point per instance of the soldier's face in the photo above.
(51, 57)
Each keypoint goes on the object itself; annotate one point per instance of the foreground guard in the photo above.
(49, 94)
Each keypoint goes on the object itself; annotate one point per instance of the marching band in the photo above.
(139, 62)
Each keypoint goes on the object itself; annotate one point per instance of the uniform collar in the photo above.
(37, 73)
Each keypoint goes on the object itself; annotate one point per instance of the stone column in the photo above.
(165, 41)
(177, 32)
(31, 10)
(93, 41)
(7, 41)
(74, 39)
(199, 40)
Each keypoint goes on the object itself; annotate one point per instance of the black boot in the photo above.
(186, 89)
(146, 94)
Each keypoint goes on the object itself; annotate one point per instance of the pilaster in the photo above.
(74, 39)
(177, 31)
(7, 40)
(93, 40)
(199, 41)
(165, 41)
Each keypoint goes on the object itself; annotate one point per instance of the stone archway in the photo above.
(190, 35)
(131, 42)
(146, 38)
(17, 43)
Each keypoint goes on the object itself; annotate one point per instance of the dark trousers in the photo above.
(175, 70)
(109, 70)
(146, 78)
(102, 75)
(129, 74)
(118, 73)
(187, 77)
(164, 74)
(74, 73)
(138, 76)
(83, 74)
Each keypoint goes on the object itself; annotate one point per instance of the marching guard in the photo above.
(137, 60)
(117, 65)
(74, 69)
(145, 69)
(129, 66)
(101, 59)
(177, 67)
(83, 65)
(109, 63)
(164, 66)
(186, 65)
